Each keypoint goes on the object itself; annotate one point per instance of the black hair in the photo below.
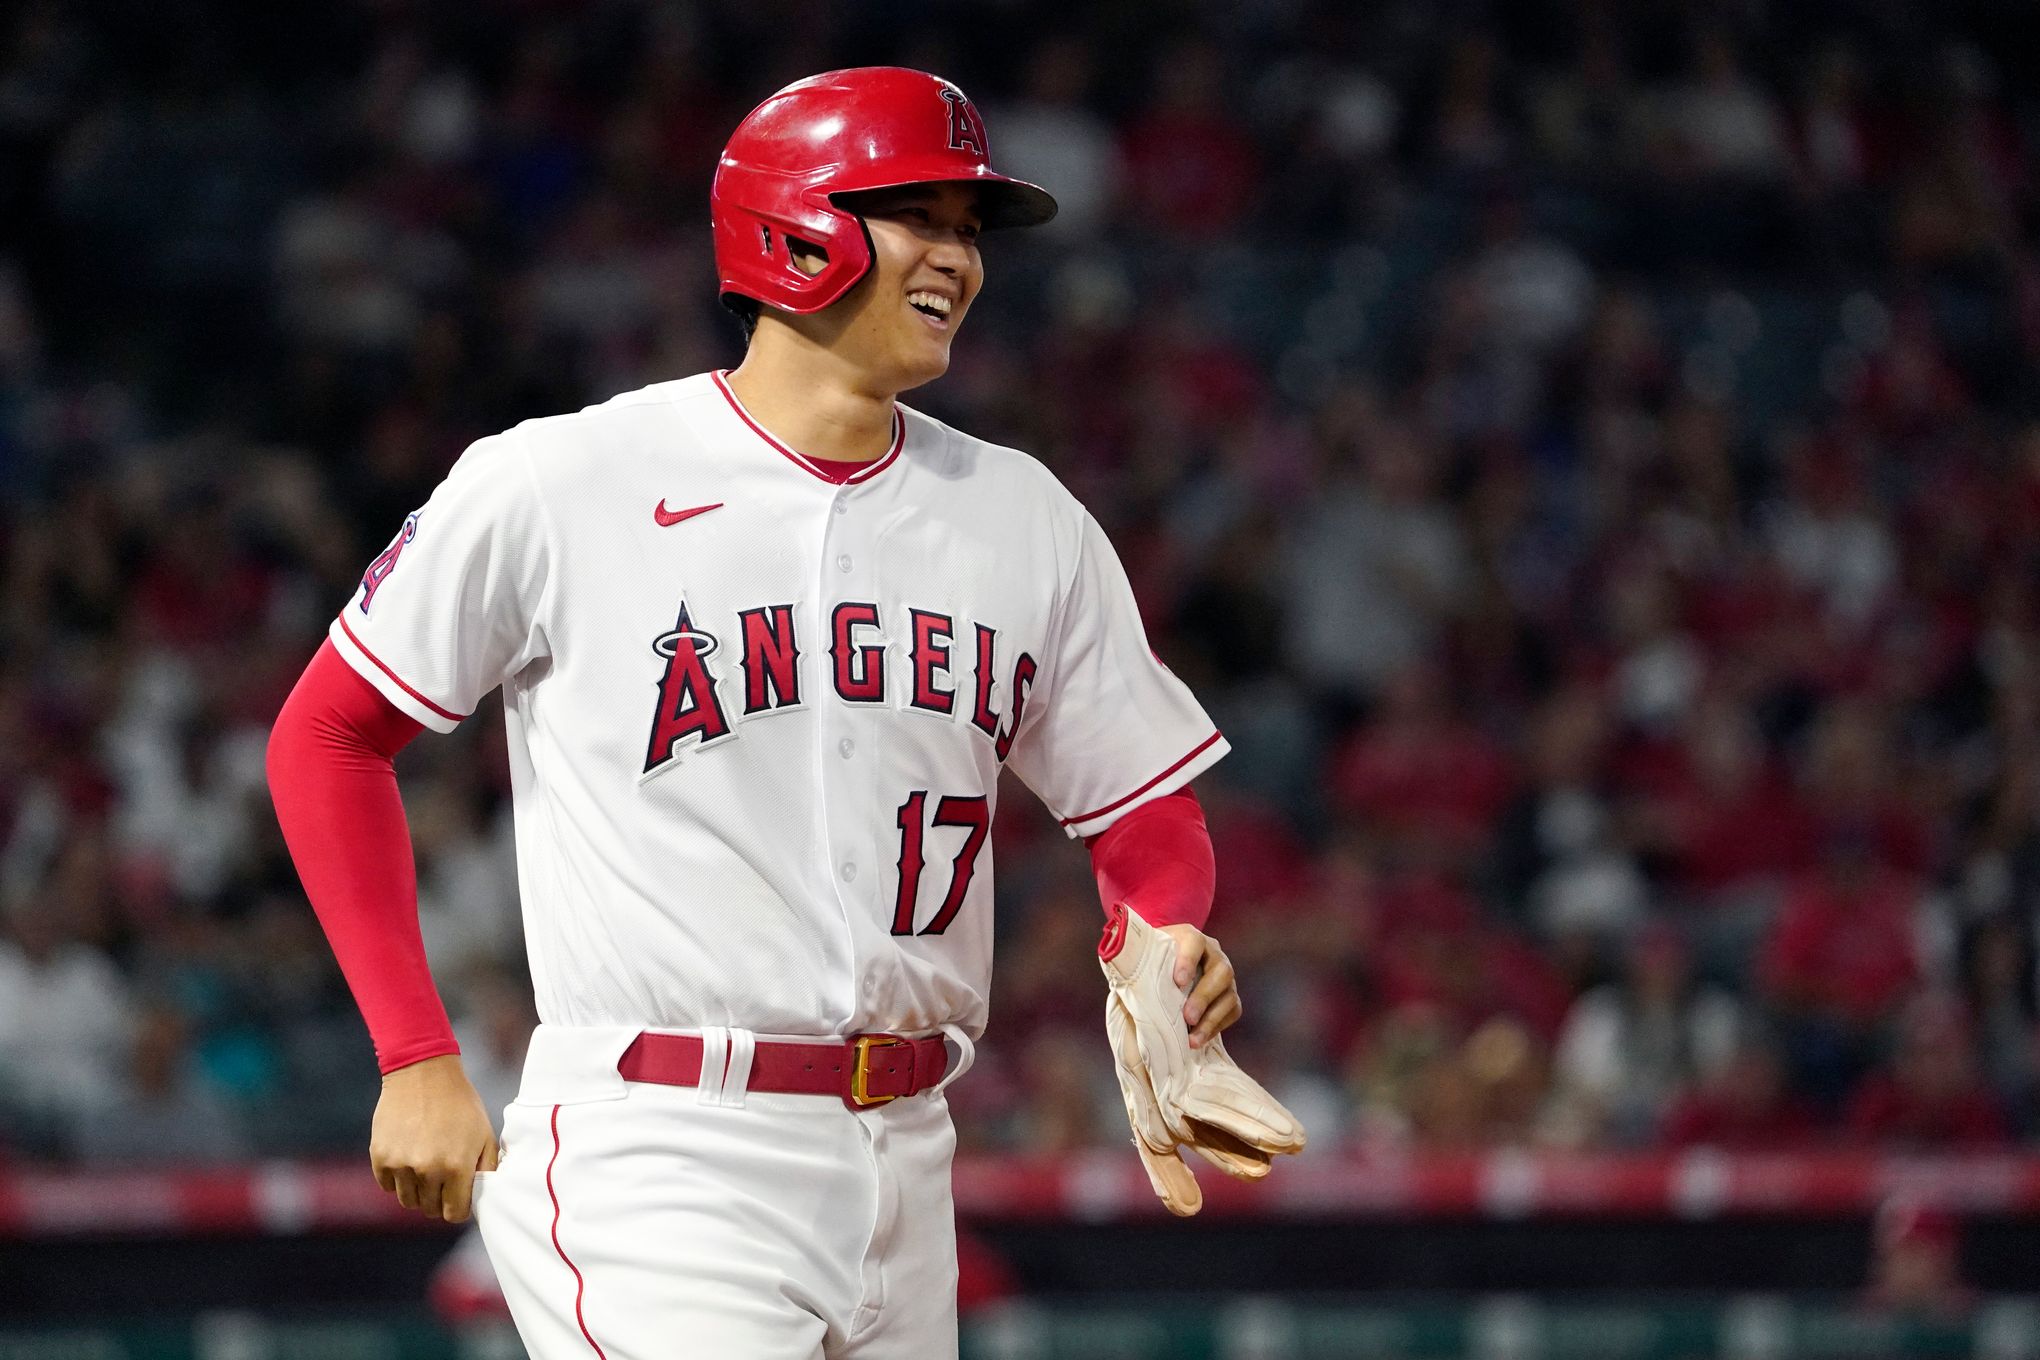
(745, 310)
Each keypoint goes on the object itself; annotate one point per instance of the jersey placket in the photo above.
(851, 658)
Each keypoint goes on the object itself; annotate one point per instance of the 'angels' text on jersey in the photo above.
(691, 709)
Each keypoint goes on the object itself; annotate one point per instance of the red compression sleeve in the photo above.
(335, 790)
(1157, 859)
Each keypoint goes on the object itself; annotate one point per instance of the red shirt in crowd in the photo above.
(1708, 1119)
(1445, 782)
(1760, 830)
(1885, 1110)
(1843, 948)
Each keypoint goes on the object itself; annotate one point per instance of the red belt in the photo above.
(865, 1070)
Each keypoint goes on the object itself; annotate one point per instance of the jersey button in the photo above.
(849, 871)
(843, 562)
(846, 748)
(842, 507)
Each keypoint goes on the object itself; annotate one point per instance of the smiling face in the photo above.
(896, 324)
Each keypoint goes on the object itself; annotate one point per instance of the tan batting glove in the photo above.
(1172, 1180)
(1200, 1096)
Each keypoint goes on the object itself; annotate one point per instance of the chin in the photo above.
(923, 369)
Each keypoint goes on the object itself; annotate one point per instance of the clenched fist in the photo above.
(430, 1136)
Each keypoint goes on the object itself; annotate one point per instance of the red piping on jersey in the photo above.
(815, 466)
(396, 679)
(580, 1285)
(1199, 749)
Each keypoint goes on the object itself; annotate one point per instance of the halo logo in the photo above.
(703, 643)
(386, 561)
(966, 129)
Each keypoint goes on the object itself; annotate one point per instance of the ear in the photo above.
(807, 257)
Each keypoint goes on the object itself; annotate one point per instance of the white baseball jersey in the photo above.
(757, 717)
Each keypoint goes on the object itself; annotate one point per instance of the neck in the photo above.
(811, 399)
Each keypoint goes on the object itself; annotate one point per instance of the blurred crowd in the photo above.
(1586, 456)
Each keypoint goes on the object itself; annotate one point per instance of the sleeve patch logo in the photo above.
(386, 561)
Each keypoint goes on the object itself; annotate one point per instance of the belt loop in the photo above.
(966, 1054)
(743, 1047)
(715, 1055)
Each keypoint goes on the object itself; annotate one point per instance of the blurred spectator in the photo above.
(1659, 669)
(1419, 773)
(1470, 131)
(1481, 1093)
(1439, 951)
(165, 1115)
(1998, 986)
(1735, 824)
(493, 1027)
(1720, 123)
(1561, 857)
(1931, 1095)
(1855, 780)
(1630, 1047)
(1584, 112)
(1915, 1264)
(1072, 1094)
(1189, 166)
(1839, 959)
(1378, 563)
(1050, 136)
(64, 1021)
(1537, 290)
(467, 889)
(1831, 541)
(1834, 129)
(1746, 1104)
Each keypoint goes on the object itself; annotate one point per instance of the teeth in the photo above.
(934, 302)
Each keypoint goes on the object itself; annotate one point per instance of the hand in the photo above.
(430, 1135)
(1215, 1002)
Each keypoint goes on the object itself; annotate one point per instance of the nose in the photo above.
(949, 256)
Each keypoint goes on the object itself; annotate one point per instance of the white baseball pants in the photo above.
(631, 1221)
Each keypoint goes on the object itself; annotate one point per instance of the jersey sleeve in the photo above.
(1108, 727)
(451, 608)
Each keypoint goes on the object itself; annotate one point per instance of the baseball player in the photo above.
(766, 639)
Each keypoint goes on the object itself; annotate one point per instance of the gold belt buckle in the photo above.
(860, 1068)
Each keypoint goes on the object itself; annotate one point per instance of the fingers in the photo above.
(458, 1197)
(1189, 953)
(1222, 1013)
(457, 1200)
(432, 1194)
(443, 1193)
(1214, 1003)
(406, 1187)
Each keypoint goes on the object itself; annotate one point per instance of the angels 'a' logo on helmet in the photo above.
(966, 129)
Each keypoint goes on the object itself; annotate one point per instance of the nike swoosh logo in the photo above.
(668, 518)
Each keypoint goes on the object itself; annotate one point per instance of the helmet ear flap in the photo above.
(756, 248)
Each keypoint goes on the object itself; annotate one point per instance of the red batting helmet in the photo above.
(870, 127)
